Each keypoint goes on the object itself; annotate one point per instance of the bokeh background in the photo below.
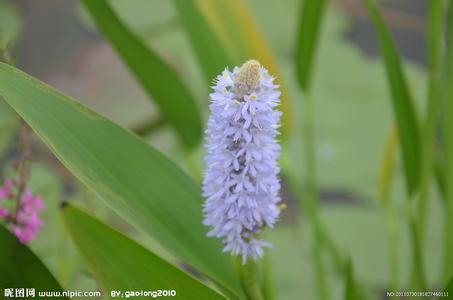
(59, 44)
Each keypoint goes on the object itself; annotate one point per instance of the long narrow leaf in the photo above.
(138, 182)
(435, 31)
(242, 38)
(352, 290)
(157, 78)
(209, 51)
(21, 268)
(123, 265)
(403, 106)
(448, 140)
(310, 23)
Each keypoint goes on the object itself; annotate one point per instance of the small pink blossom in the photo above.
(3, 212)
(24, 234)
(31, 202)
(27, 223)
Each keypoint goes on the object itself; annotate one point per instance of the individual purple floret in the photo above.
(26, 221)
(241, 184)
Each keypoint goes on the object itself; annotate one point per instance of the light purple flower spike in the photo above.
(241, 184)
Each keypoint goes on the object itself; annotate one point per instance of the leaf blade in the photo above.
(448, 141)
(403, 107)
(210, 53)
(122, 264)
(135, 180)
(15, 256)
(310, 23)
(160, 82)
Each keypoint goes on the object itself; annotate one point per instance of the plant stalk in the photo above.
(312, 192)
(249, 275)
(448, 141)
(435, 33)
(268, 279)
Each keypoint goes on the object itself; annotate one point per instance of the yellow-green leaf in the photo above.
(242, 38)
(210, 53)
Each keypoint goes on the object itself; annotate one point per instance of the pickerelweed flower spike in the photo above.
(241, 184)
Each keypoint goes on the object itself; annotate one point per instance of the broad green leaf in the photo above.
(157, 78)
(310, 23)
(135, 180)
(210, 53)
(242, 38)
(403, 106)
(448, 142)
(121, 264)
(21, 268)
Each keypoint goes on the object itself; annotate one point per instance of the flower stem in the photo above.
(250, 279)
(394, 248)
(22, 167)
(312, 191)
(268, 279)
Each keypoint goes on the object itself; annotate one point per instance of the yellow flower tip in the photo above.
(248, 77)
(282, 206)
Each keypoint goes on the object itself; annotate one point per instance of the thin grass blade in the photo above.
(403, 106)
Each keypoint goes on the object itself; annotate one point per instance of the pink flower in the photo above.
(31, 202)
(28, 224)
(31, 221)
(3, 212)
(24, 235)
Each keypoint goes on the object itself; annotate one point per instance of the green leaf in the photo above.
(435, 26)
(209, 51)
(449, 288)
(21, 268)
(310, 23)
(352, 291)
(242, 39)
(418, 279)
(157, 78)
(448, 142)
(403, 106)
(119, 263)
(135, 180)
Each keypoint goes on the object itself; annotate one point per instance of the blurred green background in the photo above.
(59, 44)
